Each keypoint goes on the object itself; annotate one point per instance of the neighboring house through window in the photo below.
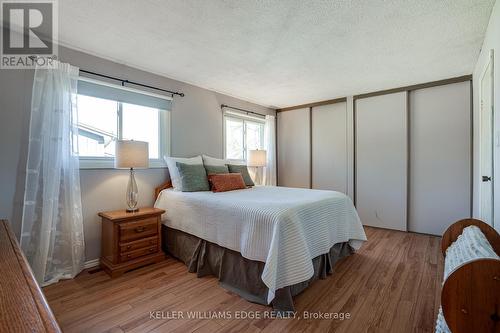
(242, 132)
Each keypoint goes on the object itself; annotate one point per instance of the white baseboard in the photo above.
(91, 263)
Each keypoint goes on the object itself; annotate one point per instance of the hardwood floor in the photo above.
(392, 284)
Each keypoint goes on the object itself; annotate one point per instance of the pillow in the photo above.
(207, 160)
(244, 173)
(174, 173)
(226, 182)
(193, 177)
(214, 169)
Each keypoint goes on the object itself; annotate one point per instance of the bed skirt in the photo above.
(240, 275)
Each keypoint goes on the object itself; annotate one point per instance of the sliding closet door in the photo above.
(329, 147)
(381, 160)
(440, 159)
(294, 148)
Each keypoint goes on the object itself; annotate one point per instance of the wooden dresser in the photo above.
(130, 240)
(23, 307)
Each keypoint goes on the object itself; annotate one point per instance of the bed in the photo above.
(265, 243)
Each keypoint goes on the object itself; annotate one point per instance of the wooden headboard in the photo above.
(160, 188)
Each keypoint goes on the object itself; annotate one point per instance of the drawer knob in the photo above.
(129, 247)
(139, 229)
(129, 256)
(151, 249)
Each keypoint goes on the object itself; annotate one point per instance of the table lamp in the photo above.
(258, 159)
(131, 154)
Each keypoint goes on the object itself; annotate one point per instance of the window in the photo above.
(107, 113)
(242, 133)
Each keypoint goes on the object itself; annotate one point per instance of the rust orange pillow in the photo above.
(226, 182)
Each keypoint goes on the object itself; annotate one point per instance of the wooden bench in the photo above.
(470, 298)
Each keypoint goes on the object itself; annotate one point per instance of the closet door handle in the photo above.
(486, 179)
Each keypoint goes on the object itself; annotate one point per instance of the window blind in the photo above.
(244, 115)
(104, 90)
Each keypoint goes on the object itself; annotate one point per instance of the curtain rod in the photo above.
(132, 82)
(242, 110)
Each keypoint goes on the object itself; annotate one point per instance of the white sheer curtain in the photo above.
(52, 224)
(270, 146)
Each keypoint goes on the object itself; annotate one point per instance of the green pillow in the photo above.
(193, 177)
(216, 169)
(233, 168)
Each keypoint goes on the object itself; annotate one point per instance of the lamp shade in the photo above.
(256, 158)
(131, 154)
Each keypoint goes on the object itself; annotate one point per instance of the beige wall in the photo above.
(196, 128)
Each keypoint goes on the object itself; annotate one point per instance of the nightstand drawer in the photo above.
(138, 244)
(138, 229)
(138, 253)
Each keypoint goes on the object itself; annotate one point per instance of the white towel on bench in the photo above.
(469, 246)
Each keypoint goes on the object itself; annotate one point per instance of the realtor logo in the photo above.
(28, 33)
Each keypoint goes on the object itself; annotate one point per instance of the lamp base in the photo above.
(132, 193)
(258, 175)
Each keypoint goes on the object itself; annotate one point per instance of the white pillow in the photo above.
(208, 160)
(175, 177)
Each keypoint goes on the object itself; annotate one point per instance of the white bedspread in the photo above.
(284, 227)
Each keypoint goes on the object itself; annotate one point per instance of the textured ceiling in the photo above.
(282, 53)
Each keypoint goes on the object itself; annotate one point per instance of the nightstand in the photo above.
(130, 240)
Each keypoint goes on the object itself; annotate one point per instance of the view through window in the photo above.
(242, 134)
(102, 121)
